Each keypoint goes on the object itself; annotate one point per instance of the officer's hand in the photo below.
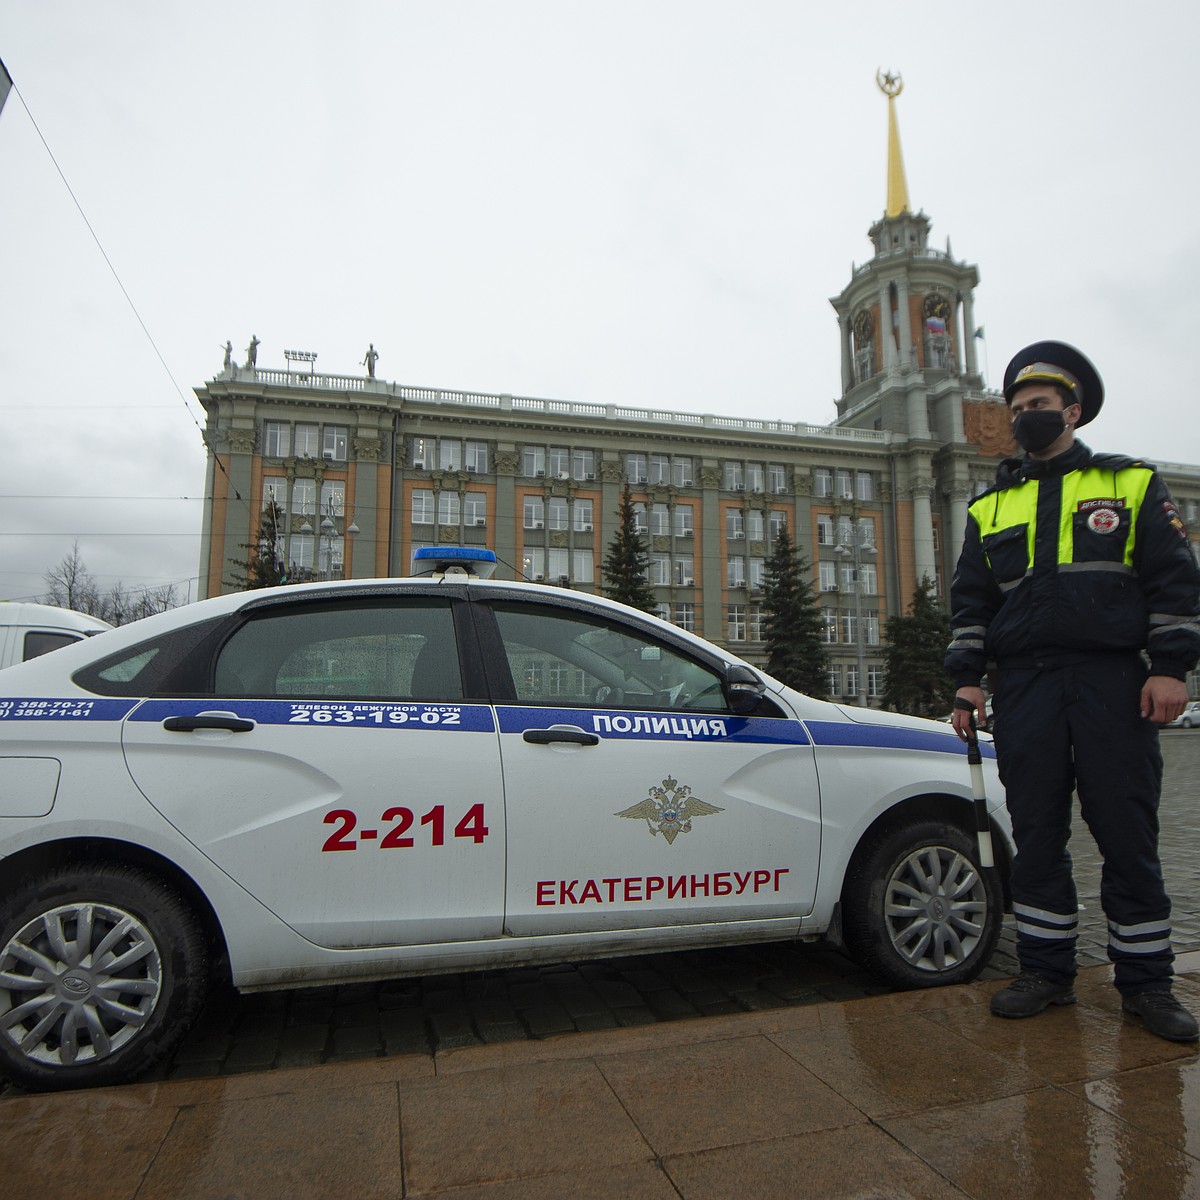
(1163, 698)
(961, 721)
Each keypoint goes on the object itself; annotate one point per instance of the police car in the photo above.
(369, 779)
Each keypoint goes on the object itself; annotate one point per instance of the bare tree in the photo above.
(71, 585)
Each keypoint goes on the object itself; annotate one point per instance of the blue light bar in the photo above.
(468, 560)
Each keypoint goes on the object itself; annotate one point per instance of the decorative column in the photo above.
(921, 492)
(905, 330)
(968, 305)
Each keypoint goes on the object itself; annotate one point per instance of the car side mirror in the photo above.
(743, 689)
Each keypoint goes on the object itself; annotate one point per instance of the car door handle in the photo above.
(545, 737)
(207, 721)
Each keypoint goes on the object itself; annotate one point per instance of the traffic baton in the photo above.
(983, 828)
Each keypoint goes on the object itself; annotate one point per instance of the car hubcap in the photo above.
(935, 908)
(78, 982)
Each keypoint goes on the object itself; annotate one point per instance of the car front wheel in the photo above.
(103, 969)
(917, 909)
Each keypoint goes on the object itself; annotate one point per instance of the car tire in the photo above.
(917, 909)
(1186, 722)
(103, 970)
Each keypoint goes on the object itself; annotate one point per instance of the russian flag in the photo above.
(935, 325)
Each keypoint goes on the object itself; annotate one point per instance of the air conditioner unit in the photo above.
(538, 578)
(738, 537)
(739, 487)
(539, 524)
(564, 580)
(480, 521)
(585, 529)
(472, 469)
(781, 491)
(419, 464)
(590, 475)
(687, 533)
(540, 474)
(327, 455)
(686, 483)
(689, 582)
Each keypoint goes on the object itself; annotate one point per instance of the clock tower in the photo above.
(906, 324)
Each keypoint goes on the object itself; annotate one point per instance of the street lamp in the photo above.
(861, 542)
(328, 535)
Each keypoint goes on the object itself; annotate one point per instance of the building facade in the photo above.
(365, 471)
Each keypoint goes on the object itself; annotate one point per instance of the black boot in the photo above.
(1162, 1015)
(1030, 994)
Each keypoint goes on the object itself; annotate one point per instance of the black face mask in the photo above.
(1039, 428)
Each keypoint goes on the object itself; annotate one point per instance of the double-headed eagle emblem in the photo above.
(670, 809)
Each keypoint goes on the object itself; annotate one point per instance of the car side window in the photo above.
(393, 649)
(565, 658)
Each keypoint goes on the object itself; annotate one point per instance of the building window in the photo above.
(277, 439)
(684, 518)
(776, 521)
(274, 491)
(845, 485)
(864, 485)
(852, 681)
(639, 517)
(582, 561)
(827, 575)
(734, 478)
(829, 625)
(834, 681)
(583, 516)
(449, 454)
(735, 524)
(635, 468)
(824, 530)
(660, 569)
(875, 680)
(558, 465)
(849, 626)
(307, 441)
(583, 464)
(754, 525)
(681, 472)
(685, 570)
(822, 483)
(776, 478)
(422, 508)
(754, 623)
(735, 571)
(302, 551)
(558, 512)
(477, 457)
(535, 513)
(334, 441)
(475, 508)
(755, 477)
(304, 496)
(755, 569)
(557, 565)
(685, 615)
(660, 520)
(871, 628)
(660, 468)
(533, 563)
(735, 622)
(448, 508)
(533, 462)
(333, 498)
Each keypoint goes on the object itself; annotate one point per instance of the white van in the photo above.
(27, 630)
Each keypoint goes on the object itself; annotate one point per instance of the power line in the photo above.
(124, 292)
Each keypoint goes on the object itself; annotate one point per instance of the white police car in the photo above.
(370, 779)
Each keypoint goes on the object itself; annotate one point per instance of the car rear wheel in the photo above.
(103, 969)
(917, 909)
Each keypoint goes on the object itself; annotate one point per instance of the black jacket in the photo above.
(1080, 553)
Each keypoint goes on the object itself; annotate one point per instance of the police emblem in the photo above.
(1103, 520)
(670, 809)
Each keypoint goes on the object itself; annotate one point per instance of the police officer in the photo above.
(1077, 585)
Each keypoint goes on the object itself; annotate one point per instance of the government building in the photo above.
(366, 470)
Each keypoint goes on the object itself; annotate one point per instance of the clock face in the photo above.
(936, 305)
(864, 326)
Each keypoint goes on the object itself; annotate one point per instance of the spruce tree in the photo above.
(263, 565)
(792, 627)
(628, 561)
(916, 644)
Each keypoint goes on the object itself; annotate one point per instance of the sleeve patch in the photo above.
(1174, 519)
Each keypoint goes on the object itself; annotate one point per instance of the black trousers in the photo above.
(1072, 727)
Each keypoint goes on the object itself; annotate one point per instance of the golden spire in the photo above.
(891, 85)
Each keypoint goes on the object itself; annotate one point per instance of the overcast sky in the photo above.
(641, 201)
